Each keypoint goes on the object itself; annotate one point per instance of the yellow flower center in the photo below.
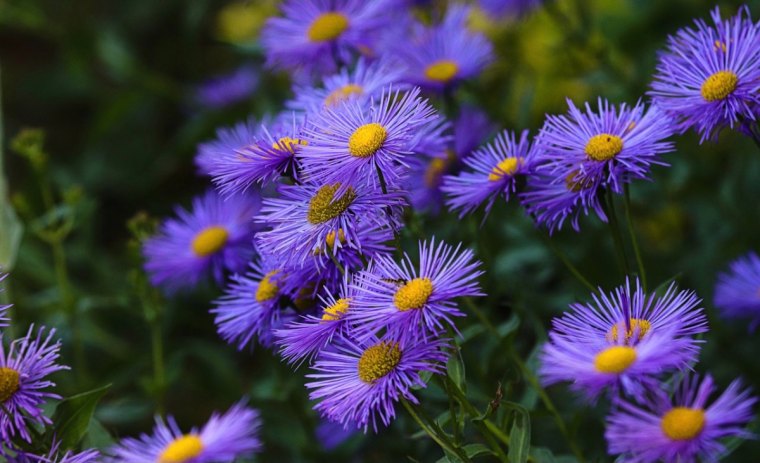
(575, 182)
(330, 241)
(289, 144)
(604, 147)
(413, 295)
(378, 360)
(720, 46)
(615, 359)
(267, 289)
(719, 85)
(442, 71)
(323, 207)
(683, 423)
(435, 169)
(182, 449)
(335, 311)
(344, 93)
(507, 167)
(9, 383)
(209, 240)
(638, 326)
(367, 139)
(328, 26)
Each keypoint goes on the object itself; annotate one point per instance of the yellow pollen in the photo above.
(505, 168)
(367, 139)
(267, 289)
(719, 85)
(720, 46)
(615, 359)
(378, 360)
(289, 144)
(182, 449)
(9, 383)
(323, 207)
(435, 169)
(209, 240)
(330, 238)
(575, 182)
(639, 327)
(328, 26)
(344, 93)
(442, 71)
(413, 295)
(683, 423)
(335, 311)
(604, 147)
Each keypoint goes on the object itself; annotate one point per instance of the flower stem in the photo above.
(572, 268)
(429, 427)
(634, 240)
(617, 237)
(335, 260)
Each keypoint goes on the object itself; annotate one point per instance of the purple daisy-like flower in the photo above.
(358, 382)
(53, 456)
(493, 172)
(214, 236)
(228, 141)
(511, 8)
(581, 154)
(685, 428)
(623, 341)
(415, 301)
(305, 215)
(737, 292)
(351, 142)
(223, 439)
(440, 56)
(365, 81)
(319, 36)
(23, 369)
(228, 89)
(270, 156)
(709, 77)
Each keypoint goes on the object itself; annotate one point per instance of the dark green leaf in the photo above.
(519, 436)
(455, 370)
(73, 414)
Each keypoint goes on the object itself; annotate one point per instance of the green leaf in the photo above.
(73, 415)
(509, 326)
(476, 450)
(455, 369)
(97, 436)
(519, 436)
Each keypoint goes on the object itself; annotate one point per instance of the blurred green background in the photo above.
(111, 85)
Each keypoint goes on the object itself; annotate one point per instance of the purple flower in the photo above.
(737, 293)
(331, 435)
(351, 142)
(683, 428)
(513, 8)
(415, 301)
(23, 369)
(228, 89)
(223, 439)
(709, 77)
(582, 154)
(358, 383)
(494, 171)
(4, 320)
(229, 140)
(53, 456)
(623, 340)
(214, 236)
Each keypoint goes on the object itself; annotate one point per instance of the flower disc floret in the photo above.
(336, 311)
(367, 139)
(324, 207)
(378, 360)
(210, 240)
(182, 449)
(636, 326)
(267, 289)
(442, 71)
(615, 359)
(719, 85)
(505, 168)
(344, 93)
(604, 147)
(289, 144)
(9, 383)
(327, 26)
(414, 294)
(683, 423)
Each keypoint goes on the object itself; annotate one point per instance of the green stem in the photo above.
(617, 237)
(159, 375)
(335, 260)
(634, 240)
(68, 302)
(482, 317)
(572, 268)
(440, 438)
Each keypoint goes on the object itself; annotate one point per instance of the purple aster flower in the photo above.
(709, 77)
(320, 36)
(367, 80)
(623, 340)
(581, 154)
(223, 439)
(512, 8)
(228, 89)
(684, 428)
(4, 320)
(351, 142)
(440, 56)
(330, 435)
(23, 369)
(305, 215)
(415, 301)
(493, 172)
(270, 156)
(53, 456)
(737, 293)
(214, 236)
(228, 141)
(358, 383)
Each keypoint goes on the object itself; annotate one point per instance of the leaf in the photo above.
(476, 450)
(509, 326)
(455, 370)
(97, 436)
(73, 415)
(519, 436)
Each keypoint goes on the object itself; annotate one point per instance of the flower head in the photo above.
(228, 141)
(623, 340)
(23, 369)
(228, 89)
(4, 308)
(582, 154)
(685, 427)
(737, 293)
(512, 8)
(223, 439)
(709, 76)
(214, 236)
(358, 383)
(53, 456)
